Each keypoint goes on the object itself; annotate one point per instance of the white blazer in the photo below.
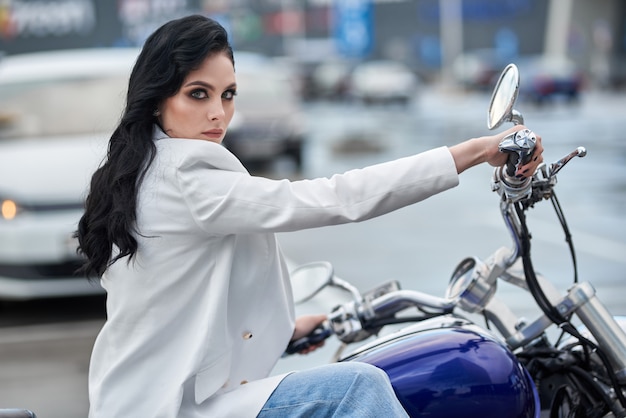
(197, 321)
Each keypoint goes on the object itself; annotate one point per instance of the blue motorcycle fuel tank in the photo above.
(452, 368)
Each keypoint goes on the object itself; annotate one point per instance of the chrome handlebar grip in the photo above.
(520, 146)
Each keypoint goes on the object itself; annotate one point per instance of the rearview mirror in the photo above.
(503, 99)
(309, 279)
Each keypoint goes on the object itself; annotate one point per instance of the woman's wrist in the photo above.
(469, 153)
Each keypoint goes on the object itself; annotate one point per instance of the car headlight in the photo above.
(8, 209)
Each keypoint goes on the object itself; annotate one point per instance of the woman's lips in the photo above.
(213, 133)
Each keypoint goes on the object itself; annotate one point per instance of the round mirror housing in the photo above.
(503, 98)
(309, 279)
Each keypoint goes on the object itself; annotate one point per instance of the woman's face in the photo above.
(204, 105)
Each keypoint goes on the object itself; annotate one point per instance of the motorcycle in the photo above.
(440, 362)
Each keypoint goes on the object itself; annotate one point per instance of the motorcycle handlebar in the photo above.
(393, 302)
(319, 334)
(384, 306)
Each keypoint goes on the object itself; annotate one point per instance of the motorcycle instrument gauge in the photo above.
(461, 279)
(469, 285)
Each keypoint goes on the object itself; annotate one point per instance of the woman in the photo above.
(199, 304)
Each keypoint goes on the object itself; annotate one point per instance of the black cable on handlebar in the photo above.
(550, 311)
(531, 279)
(568, 236)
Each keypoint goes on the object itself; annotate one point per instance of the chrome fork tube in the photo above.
(609, 336)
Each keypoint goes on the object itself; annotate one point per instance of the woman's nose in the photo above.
(216, 110)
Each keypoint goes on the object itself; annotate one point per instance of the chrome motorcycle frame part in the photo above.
(603, 326)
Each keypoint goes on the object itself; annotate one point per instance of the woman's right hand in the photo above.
(486, 149)
(499, 158)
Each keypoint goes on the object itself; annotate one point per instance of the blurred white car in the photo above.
(269, 122)
(383, 81)
(479, 68)
(331, 78)
(57, 110)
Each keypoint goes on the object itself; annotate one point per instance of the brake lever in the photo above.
(558, 165)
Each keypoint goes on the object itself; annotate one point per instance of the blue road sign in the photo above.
(353, 27)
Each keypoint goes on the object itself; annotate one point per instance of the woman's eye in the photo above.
(229, 94)
(199, 94)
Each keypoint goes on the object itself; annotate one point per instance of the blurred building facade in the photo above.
(422, 33)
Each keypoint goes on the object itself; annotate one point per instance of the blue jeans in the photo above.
(351, 389)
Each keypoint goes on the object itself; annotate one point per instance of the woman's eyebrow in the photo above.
(207, 85)
(201, 84)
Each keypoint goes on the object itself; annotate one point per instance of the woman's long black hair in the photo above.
(167, 57)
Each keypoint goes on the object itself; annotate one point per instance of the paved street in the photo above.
(43, 365)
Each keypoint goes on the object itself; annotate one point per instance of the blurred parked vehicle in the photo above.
(548, 78)
(478, 69)
(383, 81)
(330, 79)
(268, 123)
(57, 110)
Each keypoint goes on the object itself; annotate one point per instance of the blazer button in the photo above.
(247, 335)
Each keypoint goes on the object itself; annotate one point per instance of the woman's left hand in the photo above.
(304, 326)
